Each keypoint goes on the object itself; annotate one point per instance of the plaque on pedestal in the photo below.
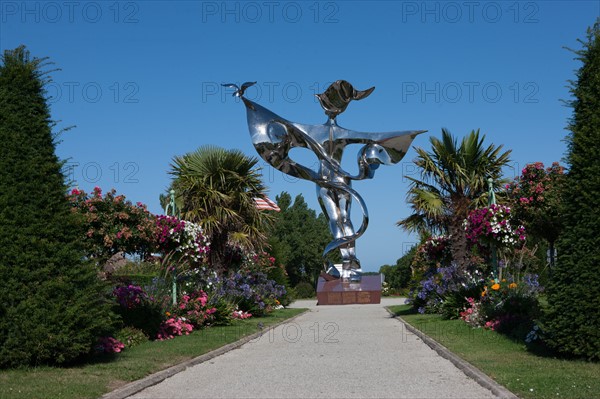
(338, 292)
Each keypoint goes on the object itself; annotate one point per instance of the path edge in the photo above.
(136, 386)
(467, 368)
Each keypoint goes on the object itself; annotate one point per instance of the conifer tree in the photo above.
(300, 236)
(51, 304)
(573, 319)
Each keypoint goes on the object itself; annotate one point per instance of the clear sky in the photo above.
(140, 80)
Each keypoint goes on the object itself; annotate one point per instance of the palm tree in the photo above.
(453, 182)
(216, 188)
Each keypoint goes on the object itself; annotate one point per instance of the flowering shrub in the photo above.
(442, 289)
(186, 239)
(536, 198)
(195, 278)
(223, 315)
(492, 225)
(502, 298)
(253, 293)
(131, 336)
(240, 314)
(112, 224)
(138, 309)
(194, 308)
(259, 262)
(130, 296)
(505, 306)
(436, 248)
(263, 262)
(109, 345)
(156, 316)
(532, 188)
(385, 289)
(173, 327)
(472, 314)
(532, 284)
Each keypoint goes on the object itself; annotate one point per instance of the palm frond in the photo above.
(216, 188)
(453, 179)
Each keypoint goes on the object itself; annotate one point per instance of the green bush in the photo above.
(144, 280)
(304, 290)
(131, 336)
(52, 305)
(140, 268)
(224, 310)
(572, 323)
(279, 275)
(505, 306)
(511, 306)
(251, 292)
(146, 318)
(140, 310)
(399, 275)
(456, 301)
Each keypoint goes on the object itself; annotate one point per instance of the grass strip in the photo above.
(527, 374)
(93, 379)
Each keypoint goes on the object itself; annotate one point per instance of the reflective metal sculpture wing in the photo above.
(273, 138)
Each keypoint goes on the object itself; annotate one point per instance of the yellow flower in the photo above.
(496, 287)
(483, 292)
(504, 280)
(168, 314)
(512, 285)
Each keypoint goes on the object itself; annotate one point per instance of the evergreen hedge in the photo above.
(52, 306)
(573, 319)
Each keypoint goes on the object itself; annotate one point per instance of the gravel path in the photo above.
(330, 352)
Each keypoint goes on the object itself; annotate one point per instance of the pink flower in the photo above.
(172, 327)
(110, 345)
(239, 314)
(492, 325)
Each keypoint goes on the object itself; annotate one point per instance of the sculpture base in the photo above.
(339, 292)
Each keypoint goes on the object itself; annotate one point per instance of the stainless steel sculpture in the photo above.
(274, 137)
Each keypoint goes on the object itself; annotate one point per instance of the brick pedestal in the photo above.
(336, 292)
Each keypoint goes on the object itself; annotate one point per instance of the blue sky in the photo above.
(140, 80)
